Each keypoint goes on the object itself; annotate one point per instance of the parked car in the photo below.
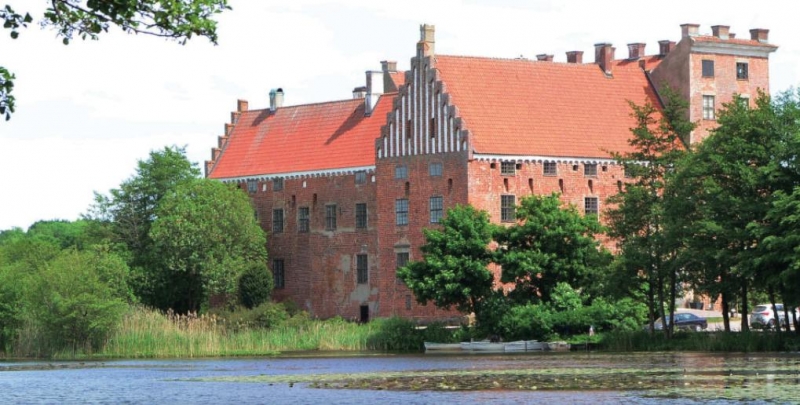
(762, 316)
(685, 321)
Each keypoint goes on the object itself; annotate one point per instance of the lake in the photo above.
(412, 379)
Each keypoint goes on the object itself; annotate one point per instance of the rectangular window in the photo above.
(278, 275)
(401, 259)
(408, 302)
(277, 184)
(435, 169)
(744, 101)
(401, 211)
(302, 220)
(361, 215)
(361, 177)
(437, 208)
(330, 217)
(400, 172)
(708, 108)
(590, 169)
(708, 68)
(508, 168)
(550, 169)
(590, 205)
(277, 220)
(252, 186)
(507, 208)
(361, 269)
(742, 71)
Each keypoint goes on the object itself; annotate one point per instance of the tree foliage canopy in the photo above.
(550, 244)
(453, 270)
(205, 236)
(178, 20)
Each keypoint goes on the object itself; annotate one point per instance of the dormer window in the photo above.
(708, 68)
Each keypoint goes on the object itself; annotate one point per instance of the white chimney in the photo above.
(275, 99)
(374, 90)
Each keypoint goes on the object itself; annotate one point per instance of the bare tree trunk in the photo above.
(660, 291)
(771, 293)
(726, 320)
(745, 309)
(673, 281)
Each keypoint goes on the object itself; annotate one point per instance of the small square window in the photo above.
(550, 169)
(590, 169)
(362, 269)
(302, 220)
(708, 68)
(277, 220)
(401, 172)
(590, 206)
(435, 169)
(508, 168)
(401, 211)
(330, 217)
(361, 177)
(627, 171)
(437, 209)
(278, 274)
(361, 215)
(252, 186)
(744, 102)
(507, 208)
(708, 108)
(277, 184)
(742, 71)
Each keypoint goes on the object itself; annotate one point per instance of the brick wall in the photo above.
(320, 266)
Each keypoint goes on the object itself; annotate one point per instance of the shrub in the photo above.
(395, 334)
(255, 285)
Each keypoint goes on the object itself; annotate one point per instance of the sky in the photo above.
(87, 112)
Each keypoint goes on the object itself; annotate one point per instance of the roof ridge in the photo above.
(360, 100)
(523, 60)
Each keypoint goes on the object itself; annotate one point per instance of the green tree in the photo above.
(206, 235)
(550, 244)
(453, 270)
(79, 297)
(637, 218)
(126, 215)
(255, 285)
(178, 20)
(725, 190)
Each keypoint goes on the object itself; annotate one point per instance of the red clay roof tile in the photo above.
(523, 107)
(302, 138)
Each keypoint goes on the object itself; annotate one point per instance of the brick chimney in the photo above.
(275, 99)
(760, 35)
(636, 50)
(426, 44)
(575, 57)
(241, 105)
(690, 30)
(544, 57)
(721, 31)
(388, 67)
(603, 55)
(666, 46)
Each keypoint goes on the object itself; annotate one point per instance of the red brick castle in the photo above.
(344, 188)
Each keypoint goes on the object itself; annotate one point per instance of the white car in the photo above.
(762, 316)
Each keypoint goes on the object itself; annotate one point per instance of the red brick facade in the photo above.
(459, 130)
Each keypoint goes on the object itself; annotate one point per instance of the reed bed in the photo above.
(145, 333)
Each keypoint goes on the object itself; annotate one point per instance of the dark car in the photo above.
(686, 321)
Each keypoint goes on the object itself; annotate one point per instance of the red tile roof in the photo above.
(523, 107)
(398, 78)
(302, 138)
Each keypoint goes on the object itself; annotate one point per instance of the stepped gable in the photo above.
(543, 108)
(302, 138)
